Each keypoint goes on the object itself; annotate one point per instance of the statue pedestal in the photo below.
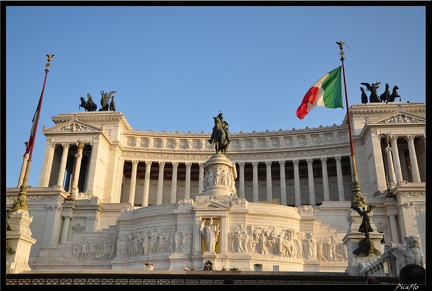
(20, 241)
(219, 176)
(354, 238)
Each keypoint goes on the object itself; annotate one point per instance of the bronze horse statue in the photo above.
(89, 105)
(395, 94)
(219, 136)
(364, 97)
(385, 97)
(112, 106)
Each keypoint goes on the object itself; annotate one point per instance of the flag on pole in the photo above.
(29, 144)
(327, 91)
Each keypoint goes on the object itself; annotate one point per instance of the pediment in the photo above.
(72, 126)
(399, 117)
(212, 202)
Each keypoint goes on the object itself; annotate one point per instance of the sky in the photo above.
(175, 67)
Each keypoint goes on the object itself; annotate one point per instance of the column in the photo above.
(255, 181)
(392, 178)
(325, 179)
(47, 164)
(62, 169)
(269, 182)
(282, 183)
(340, 178)
(23, 169)
(405, 165)
(241, 179)
(396, 160)
(174, 182)
(160, 183)
(133, 183)
(45, 181)
(201, 178)
(311, 182)
(297, 183)
(77, 168)
(94, 172)
(118, 180)
(188, 180)
(413, 158)
(377, 163)
(146, 184)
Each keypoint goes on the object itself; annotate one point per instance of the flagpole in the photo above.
(21, 201)
(357, 199)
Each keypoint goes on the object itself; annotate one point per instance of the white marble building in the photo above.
(112, 198)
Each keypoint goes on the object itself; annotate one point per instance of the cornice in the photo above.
(236, 156)
(380, 109)
(94, 118)
(254, 133)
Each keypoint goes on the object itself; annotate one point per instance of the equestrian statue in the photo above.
(88, 105)
(220, 135)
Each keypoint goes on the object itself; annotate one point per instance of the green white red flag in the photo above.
(327, 92)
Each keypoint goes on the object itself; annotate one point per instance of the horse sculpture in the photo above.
(394, 94)
(220, 135)
(364, 98)
(384, 97)
(83, 103)
(112, 106)
(89, 105)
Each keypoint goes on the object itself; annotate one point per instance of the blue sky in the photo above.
(173, 68)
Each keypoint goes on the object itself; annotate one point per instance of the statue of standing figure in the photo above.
(210, 233)
(88, 105)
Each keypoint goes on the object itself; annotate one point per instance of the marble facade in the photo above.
(112, 198)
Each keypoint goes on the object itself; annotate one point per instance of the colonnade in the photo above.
(132, 193)
(159, 193)
(392, 158)
(72, 173)
(394, 161)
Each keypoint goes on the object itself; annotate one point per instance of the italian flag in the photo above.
(327, 91)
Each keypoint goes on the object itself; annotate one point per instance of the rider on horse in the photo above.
(220, 135)
(224, 126)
